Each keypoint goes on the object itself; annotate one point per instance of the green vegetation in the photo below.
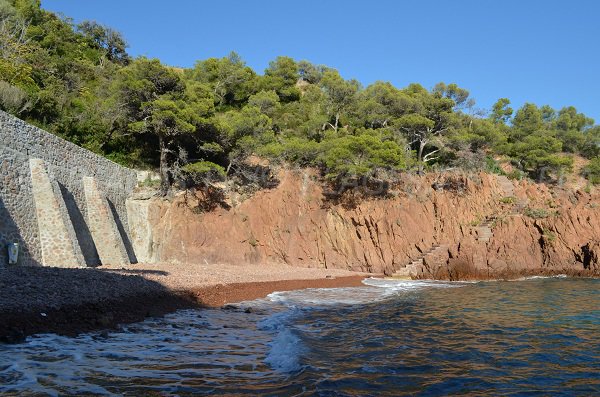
(592, 171)
(548, 235)
(204, 168)
(201, 123)
(536, 213)
(508, 200)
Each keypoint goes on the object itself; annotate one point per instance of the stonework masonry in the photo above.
(102, 225)
(43, 205)
(56, 239)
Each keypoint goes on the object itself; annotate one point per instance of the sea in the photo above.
(530, 337)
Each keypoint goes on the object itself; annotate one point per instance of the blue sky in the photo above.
(541, 51)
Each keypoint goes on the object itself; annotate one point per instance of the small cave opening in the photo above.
(586, 256)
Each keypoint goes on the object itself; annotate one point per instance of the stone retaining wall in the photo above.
(66, 165)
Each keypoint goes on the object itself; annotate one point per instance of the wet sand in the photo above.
(219, 295)
(70, 301)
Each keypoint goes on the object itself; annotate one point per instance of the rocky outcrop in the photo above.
(292, 223)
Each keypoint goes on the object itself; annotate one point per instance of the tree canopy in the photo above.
(79, 82)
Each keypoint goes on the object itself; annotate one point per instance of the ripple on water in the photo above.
(389, 337)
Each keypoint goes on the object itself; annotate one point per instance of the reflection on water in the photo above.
(536, 336)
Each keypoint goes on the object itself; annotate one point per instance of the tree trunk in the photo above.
(420, 155)
(421, 148)
(164, 171)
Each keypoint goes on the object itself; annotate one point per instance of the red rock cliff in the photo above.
(486, 227)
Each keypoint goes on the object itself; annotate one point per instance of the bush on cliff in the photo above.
(204, 172)
(592, 171)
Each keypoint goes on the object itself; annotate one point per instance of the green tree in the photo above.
(311, 73)
(429, 124)
(158, 105)
(167, 117)
(527, 120)
(381, 104)
(16, 74)
(304, 118)
(501, 111)
(282, 76)
(296, 150)
(244, 131)
(361, 155)
(540, 154)
(460, 96)
(570, 126)
(111, 43)
(590, 146)
(267, 101)
(340, 95)
(231, 80)
(478, 134)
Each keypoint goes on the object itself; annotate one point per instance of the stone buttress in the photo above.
(103, 228)
(55, 231)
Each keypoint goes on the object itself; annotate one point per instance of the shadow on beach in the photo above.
(70, 301)
(136, 271)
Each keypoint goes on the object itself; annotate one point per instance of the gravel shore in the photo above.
(70, 301)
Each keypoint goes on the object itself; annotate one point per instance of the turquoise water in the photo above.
(537, 336)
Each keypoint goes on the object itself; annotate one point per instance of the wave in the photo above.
(324, 297)
(286, 348)
(540, 277)
(411, 285)
(374, 290)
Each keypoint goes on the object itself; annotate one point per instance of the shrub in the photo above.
(204, 172)
(492, 166)
(296, 150)
(592, 171)
(13, 99)
(548, 235)
(536, 213)
(515, 175)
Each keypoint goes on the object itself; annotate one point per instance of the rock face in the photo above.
(533, 230)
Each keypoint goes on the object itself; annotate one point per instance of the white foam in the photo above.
(319, 297)
(285, 351)
(285, 348)
(540, 277)
(48, 364)
(411, 285)
(374, 290)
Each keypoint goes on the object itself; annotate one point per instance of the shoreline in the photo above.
(223, 294)
(62, 303)
(35, 300)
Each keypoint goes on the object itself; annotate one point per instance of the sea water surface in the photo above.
(538, 336)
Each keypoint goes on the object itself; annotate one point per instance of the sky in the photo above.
(540, 51)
